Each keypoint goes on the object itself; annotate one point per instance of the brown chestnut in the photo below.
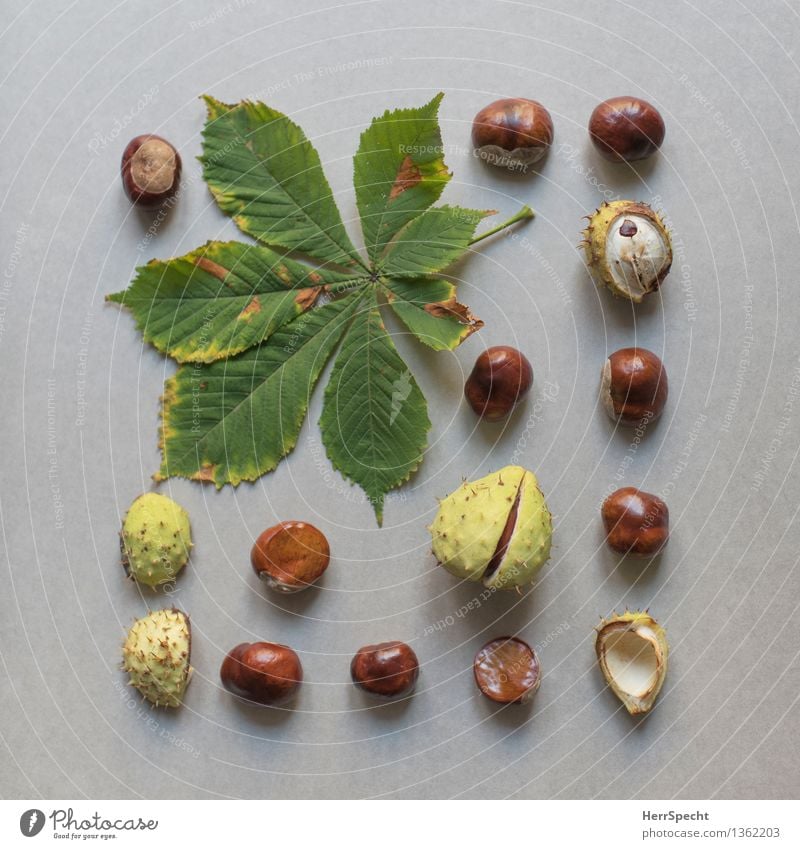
(265, 673)
(512, 133)
(507, 671)
(625, 129)
(500, 377)
(151, 170)
(633, 386)
(385, 669)
(290, 556)
(636, 522)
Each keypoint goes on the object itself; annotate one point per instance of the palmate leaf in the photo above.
(374, 420)
(264, 172)
(254, 327)
(233, 420)
(220, 299)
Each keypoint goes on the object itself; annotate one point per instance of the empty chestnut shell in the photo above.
(385, 669)
(633, 386)
(635, 522)
(625, 129)
(290, 556)
(265, 673)
(499, 379)
(151, 170)
(512, 133)
(507, 671)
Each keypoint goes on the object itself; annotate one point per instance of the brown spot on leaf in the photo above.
(283, 272)
(407, 177)
(251, 309)
(211, 267)
(451, 308)
(306, 298)
(206, 473)
(314, 277)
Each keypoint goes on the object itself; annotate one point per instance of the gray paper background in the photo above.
(80, 407)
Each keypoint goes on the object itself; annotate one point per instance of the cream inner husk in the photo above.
(636, 261)
(632, 661)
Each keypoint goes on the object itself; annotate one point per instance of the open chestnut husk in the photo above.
(636, 522)
(151, 170)
(512, 133)
(500, 378)
(633, 653)
(634, 386)
(389, 670)
(507, 671)
(628, 248)
(264, 673)
(290, 556)
(624, 129)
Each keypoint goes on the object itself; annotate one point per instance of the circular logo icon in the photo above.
(31, 822)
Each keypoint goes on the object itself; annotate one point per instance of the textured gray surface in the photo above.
(80, 402)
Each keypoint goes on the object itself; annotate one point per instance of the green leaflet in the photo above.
(429, 309)
(220, 299)
(432, 241)
(264, 172)
(248, 324)
(374, 420)
(233, 420)
(399, 171)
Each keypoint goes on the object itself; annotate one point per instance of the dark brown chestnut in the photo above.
(512, 133)
(388, 669)
(151, 170)
(636, 522)
(633, 386)
(625, 129)
(265, 673)
(507, 671)
(500, 377)
(290, 556)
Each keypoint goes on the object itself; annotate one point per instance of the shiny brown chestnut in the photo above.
(633, 386)
(635, 522)
(151, 170)
(290, 556)
(512, 133)
(625, 129)
(388, 669)
(500, 378)
(507, 671)
(265, 673)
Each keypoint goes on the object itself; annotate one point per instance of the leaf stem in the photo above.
(524, 213)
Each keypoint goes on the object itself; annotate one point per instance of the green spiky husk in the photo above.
(156, 655)
(155, 540)
(469, 524)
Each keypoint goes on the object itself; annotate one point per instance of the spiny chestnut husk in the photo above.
(628, 248)
(632, 652)
(155, 540)
(496, 530)
(156, 655)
